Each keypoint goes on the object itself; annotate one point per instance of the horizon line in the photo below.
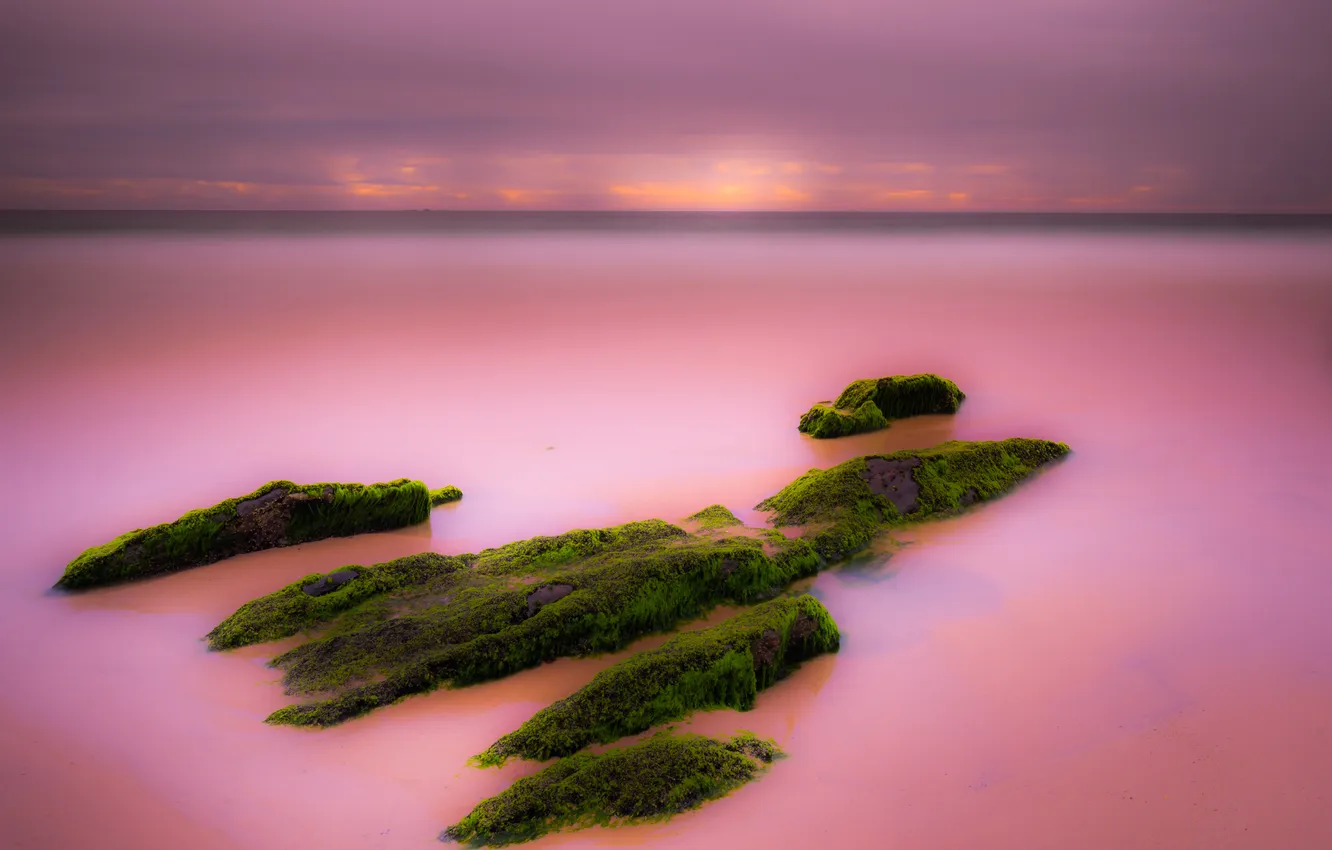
(690, 211)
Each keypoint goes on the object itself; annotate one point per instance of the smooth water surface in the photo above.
(1132, 650)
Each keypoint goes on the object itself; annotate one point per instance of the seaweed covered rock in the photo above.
(316, 599)
(521, 604)
(714, 516)
(279, 513)
(855, 499)
(409, 626)
(869, 404)
(721, 667)
(543, 553)
(654, 779)
(444, 495)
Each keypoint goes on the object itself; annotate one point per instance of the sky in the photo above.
(1134, 105)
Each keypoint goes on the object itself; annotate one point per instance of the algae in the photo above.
(721, 667)
(409, 626)
(444, 495)
(870, 404)
(714, 516)
(486, 627)
(296, 608)
(652, 780)
(863, 495)
(418, 580)
(279, 513)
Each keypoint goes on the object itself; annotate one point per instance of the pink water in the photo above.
(1130, 651)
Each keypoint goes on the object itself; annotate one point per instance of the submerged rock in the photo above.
(279, 513)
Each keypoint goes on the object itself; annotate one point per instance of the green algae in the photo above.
(292, 609)
(279, 513)
(721, 667)
(947, 477)
(652, 780)
(827, 422)
(415, 580)
(541, 553)
(493, 625)
(444, 495)
(714, 516)
(870, 404)
(406, 627)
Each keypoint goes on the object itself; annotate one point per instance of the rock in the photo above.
(329, 583)
(892, 480)
(546, 595)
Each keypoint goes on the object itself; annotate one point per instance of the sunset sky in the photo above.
(1210, 105)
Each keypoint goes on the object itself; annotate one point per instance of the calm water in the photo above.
(1132, 650)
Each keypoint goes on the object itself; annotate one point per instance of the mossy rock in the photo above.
(870, 404)
(318, 598)
(279, 513)
(714, 516)
(651, 780)
(412, 625)
(858, 498)
(512, 608)
(415, 578)
(721, 667)
(444, 495)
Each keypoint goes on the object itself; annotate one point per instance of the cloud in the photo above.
(1060, 100)
(902, 167)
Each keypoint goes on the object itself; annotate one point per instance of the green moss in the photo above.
(651, 780)
(279, 513)
(406, 629)
(292, 610)
(721, 667)
(540, 553)
(949, 477)
(869, 404)
(444, 495)
(826, 422)
(714, 516)
(488, 630)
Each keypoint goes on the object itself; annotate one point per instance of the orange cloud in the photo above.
(707, 196)
(390, 190)
(903, 167)
(745, 167)
(907, 195)
(786, 193)
(240, 188)
(526, 196)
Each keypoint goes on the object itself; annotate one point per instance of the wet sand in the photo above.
(1129, 651)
